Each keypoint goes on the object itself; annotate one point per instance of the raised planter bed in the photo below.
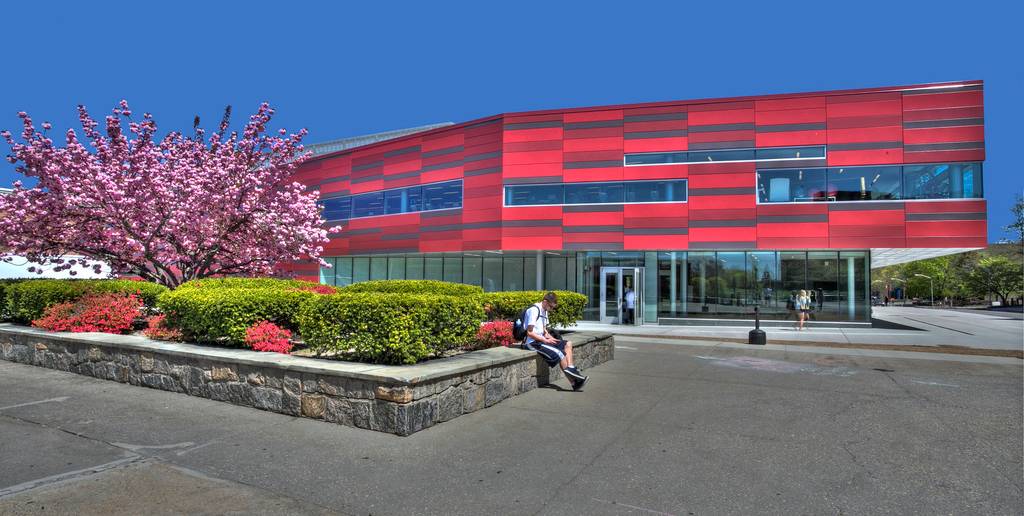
(393, 399)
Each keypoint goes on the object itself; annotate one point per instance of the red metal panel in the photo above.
(648, 242)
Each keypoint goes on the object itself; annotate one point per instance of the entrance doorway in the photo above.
(622, 295)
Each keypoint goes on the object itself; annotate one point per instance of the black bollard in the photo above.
(757, 335)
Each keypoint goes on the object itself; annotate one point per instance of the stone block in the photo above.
(40, 346)
(384, 417)
(146, 362)
(223, 374)
(292, 385)
(450, 403)
(396, 394)
(473, 397)
(94, 354)
(415, 416)
(313, 405)
(266, 399)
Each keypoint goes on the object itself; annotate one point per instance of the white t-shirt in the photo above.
(630, 299)
(536, 316)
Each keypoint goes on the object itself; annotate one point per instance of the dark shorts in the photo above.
(552, 353)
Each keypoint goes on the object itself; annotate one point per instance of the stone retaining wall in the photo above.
(392, 399)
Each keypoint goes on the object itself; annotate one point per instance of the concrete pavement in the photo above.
(663, 429)
(910, 326)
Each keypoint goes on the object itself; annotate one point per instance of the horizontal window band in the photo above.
(866, 206)
(401, 236)
(441, 213)
(944, 146)
(771, 219)
(592, 229)
(364, 231)
(785, 128)
(928, 124)
(399, 152)
(456, 227)
(533, 125)
(367, 166)
(679, 133)
(792, 163)
(743, 190)
(722, 223)
(655, 231)
(480, 157)
(592, 125)
(945, 216)
(655, 117)
(945, 89)
(593, 246)
(592, 164)
(334, 180)
(864, 146)
(746, 126)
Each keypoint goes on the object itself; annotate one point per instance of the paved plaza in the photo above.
(665, 428)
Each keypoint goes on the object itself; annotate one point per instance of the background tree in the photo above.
(168, 210)
(1016, 228)
(997, 275)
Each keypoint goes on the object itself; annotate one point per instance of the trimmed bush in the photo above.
(157, 328)
(266, 336)
(28, 300)
(431, 287)
(4, 284)
(493, 334)
(389, 328)
(209, 314)
(508, 305)
(107, 313)
(246, 283)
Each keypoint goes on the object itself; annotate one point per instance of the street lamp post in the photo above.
(931, 284)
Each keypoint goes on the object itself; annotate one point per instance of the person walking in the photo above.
(630, 302)
(803, 306)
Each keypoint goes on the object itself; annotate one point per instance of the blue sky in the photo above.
(341, 69)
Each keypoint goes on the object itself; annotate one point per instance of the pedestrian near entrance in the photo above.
(803, 306)
(629, 299)
(555, 351)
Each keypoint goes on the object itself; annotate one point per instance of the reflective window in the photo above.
(396, 267)
(472, 267)
(790, 153)
(414, 267)
(432, 268)
(368, 204)
(673, 190)
(864, 183)
(403, 200)
(492, 274)
(453, 269)
(526, 195)
(337, 208)
(512, 275)
(442, 196)
(379, 267)
(343, 276)
(721, 155)
(656, 158)
(791, 185)
(590, 193)
(942, 181)
(656, 191)
(360, 269)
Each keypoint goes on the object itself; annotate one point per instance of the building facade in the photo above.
(705, 209)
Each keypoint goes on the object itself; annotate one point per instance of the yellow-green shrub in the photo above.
(223, 314)
(389, 328)
(430, 287)
(508, 305)
(27, 300)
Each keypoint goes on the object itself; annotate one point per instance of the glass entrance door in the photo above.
(621, 295)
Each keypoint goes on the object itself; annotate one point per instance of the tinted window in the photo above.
(338, 208)
(791, 153)
(442, 196)
(524, 195)
(368, 205)
(942, 181)
(864, 183)
(656, 191)
(791, 185)
(655, 158)
(593, 193)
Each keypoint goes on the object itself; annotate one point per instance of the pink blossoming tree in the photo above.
(168, 210)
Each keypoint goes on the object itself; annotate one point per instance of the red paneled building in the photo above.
(703, 208)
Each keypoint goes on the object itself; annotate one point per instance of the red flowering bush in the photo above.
(318, 288)
(159, 329)
(493, 334)
(106, 313)
(267, 336)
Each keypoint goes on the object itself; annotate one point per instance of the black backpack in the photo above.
(519, 326)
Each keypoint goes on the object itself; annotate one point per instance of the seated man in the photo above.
(554, 351)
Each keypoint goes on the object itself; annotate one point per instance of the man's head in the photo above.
(550, 301)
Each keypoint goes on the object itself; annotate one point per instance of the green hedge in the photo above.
(245, 283)
(508, 305)
(4, 283)
(223, 314)
(27, 300)
(428, 287)
(389, 328)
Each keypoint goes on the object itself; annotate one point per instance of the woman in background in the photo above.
(803, 306)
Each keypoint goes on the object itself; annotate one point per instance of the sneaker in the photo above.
(574, 373)
(578, 384)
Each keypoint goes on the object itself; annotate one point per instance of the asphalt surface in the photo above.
(663, 429)
(900, 326)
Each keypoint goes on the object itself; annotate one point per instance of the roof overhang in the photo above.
(886, 256)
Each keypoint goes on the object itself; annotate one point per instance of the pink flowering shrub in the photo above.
(493, 334)
(106, 313)
(267, 336)
(159, 329)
